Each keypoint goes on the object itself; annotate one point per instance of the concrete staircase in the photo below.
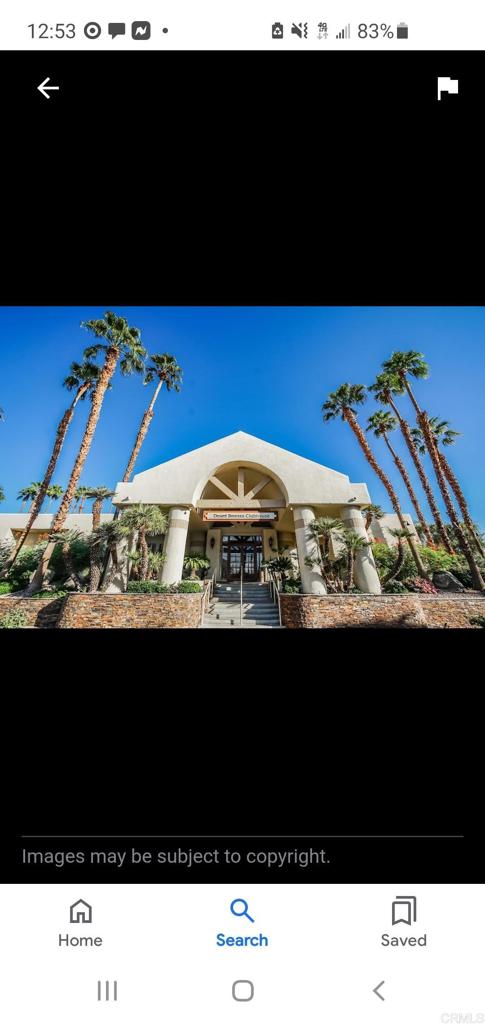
(259, 611)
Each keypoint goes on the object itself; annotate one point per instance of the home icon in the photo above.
(81, 913)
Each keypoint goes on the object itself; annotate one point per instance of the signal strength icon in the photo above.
(344, 34)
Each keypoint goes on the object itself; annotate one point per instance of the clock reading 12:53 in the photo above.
(59, 31)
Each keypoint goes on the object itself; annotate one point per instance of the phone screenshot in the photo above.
(242, 512)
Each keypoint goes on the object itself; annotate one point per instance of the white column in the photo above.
(174, 550)
(307, 546)
(365, 572)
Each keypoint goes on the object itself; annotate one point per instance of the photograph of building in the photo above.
(348, 511)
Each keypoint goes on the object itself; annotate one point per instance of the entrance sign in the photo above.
(228, 516)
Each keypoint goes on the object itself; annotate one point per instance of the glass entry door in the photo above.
(242, 551)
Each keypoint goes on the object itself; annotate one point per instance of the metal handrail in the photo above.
(241, 600)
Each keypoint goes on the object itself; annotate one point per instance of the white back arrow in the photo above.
(43, 88)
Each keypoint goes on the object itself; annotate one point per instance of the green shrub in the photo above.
(13, 620)
(154, 587)
(438, 560)
(385, 559)
(292, 587)
(5, 587)
(27, 560)
(53, 594)
(478, 620)
(149, 587)
(395, 587)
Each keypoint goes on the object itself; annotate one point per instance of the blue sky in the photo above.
(262, 370)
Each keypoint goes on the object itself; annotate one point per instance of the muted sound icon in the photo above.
(104, 991)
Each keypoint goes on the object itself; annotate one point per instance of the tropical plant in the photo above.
(194, 562)
(167, 373)
(120, 343)
(6, 588)
(385, 389)
(412, 364)
(29, 494)
(15, 619)
(354, 543)
(2, 493)
(478, 620)
(342, 403)
(400, 535)
(381, 423)
(372, 512)
(292, 586)
(104, 540)
(66, 539)
(82, 379)
(143, 519)
(99, 495)
(54, 492)
(279, 567)
(445, 436)
(156, 560)
(80, 496)
(324, 529)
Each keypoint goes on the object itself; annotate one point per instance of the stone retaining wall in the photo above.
(131, 611)
(109, 611)
(422, 611)
(42, 613)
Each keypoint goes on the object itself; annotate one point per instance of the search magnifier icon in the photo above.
(240, 909)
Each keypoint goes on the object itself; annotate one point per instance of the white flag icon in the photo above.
(447, 85)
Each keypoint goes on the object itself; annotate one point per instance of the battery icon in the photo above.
(402, 31)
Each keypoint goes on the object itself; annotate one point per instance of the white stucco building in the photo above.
(238, 501)
(241, 500)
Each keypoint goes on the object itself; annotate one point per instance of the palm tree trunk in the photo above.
(397, 565)
(359, 433)
(404, 473)
(140, 437)
(460, 497)
(104, 378)
(97, 506)
(351, 570)
(425, 484)
(423, 422)
(95, 565)
(39, 498)
(144, 555)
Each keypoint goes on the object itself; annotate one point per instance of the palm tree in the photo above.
(80, 495)
(54, 492)
(342, 403)
(372, 512)
(385, 387)
(99, 496)
(322, 528)
(2, 493)
(120, 343)
(144, 519)
(412, 364)
(444, 435)
(396, 568)
(165, 370)
(353, 543)
(29, 494)
(105, 537)
(67, 538)
(381, 423)
(194, 562)
(81, 380)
